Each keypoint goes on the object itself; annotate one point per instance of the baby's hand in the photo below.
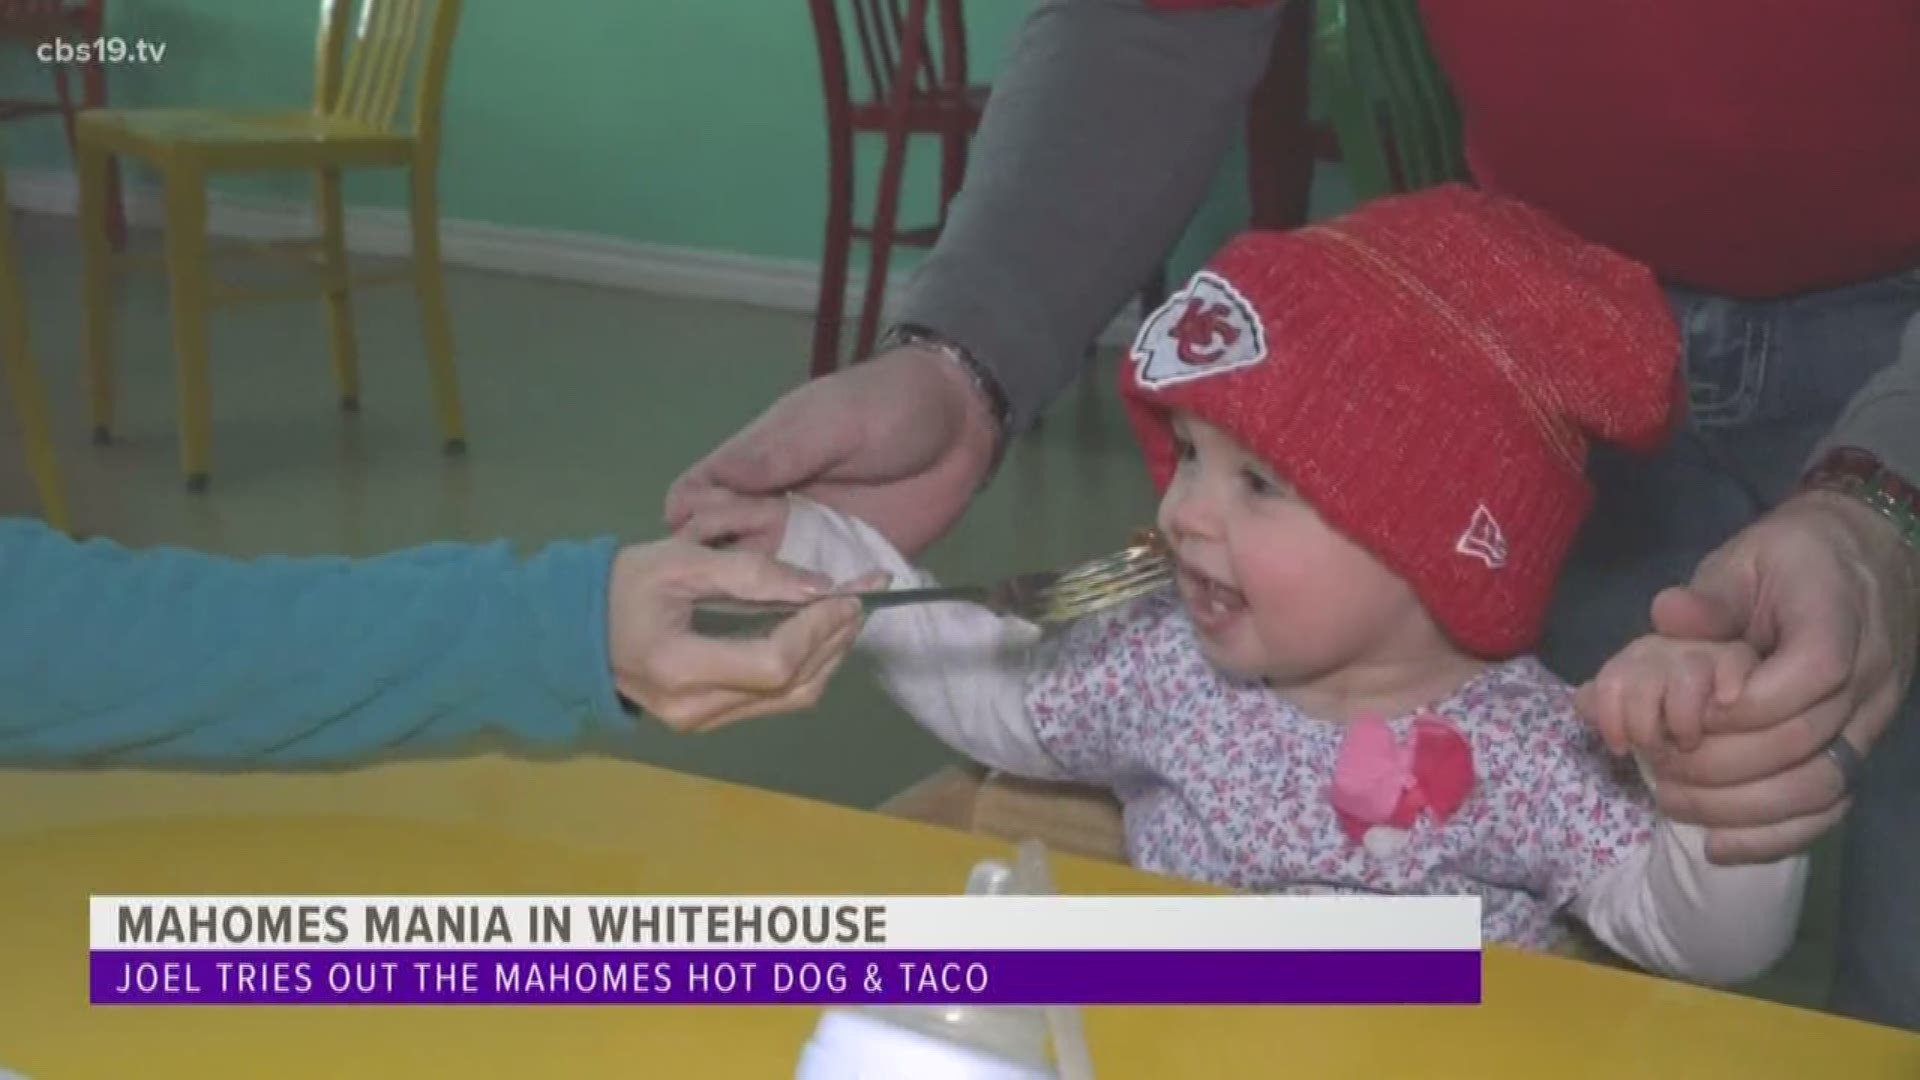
(721, 518)
(795, 530)
(1656, 693)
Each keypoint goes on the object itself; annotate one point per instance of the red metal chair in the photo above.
(934, 98)
(33, 22)
(1283, 143)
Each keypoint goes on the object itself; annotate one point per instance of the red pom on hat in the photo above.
(1427, 371)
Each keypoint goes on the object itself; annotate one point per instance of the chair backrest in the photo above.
(44, 13)
(375, 56)
(1387, 102)
(20, 376)
(875, 30)
(25, 11)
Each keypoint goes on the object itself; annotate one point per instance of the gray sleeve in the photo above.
(1884, 417)
(1100, 140)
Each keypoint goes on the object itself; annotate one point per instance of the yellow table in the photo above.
(494, 825)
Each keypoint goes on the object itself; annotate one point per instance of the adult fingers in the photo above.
(1768, 843)
(800, 438)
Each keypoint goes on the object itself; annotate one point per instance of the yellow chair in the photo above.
(23, 378)
(367, 65)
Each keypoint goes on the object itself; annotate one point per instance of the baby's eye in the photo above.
(1259, 483)
(1182, 449)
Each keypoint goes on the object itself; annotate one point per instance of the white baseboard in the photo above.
(763, 281)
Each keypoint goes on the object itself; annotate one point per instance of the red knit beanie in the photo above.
(1426, 372)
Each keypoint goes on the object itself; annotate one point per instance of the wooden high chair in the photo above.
(1080, 819)
(23, 377)
(366, 67)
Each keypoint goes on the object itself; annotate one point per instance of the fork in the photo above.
(1045, 597)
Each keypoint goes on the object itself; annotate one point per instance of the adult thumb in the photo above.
(783, 451)
(744, 575)
(1699, 612)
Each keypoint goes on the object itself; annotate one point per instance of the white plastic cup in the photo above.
(858, 1044)
(956, 1042)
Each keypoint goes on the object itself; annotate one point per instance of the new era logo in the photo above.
(1483, 540)
(1204, 329)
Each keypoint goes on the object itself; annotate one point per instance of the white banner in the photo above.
(1126, 923)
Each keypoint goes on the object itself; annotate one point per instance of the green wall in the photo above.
(694, 123)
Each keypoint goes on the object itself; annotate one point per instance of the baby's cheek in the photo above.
(1281, 584)
(1291, 612)
(1313, 611)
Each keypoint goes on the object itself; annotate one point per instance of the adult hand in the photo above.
(901, 441)
(1828, 594)
(695, 683)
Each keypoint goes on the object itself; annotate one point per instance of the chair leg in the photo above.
(93, 81)
(953, 168)
(333, 233)
(188, 286)
(887, 210)
(830, 310)
(1280, 140)
(96, 257)
(30, 403)
(880, 248)
(63, 95)
(23, 383)
(431, 286)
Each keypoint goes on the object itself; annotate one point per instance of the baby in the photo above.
(1370, 437)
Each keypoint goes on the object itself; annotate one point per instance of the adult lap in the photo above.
(1877, 958)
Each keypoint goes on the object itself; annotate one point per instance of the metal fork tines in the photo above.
(1103, 583)
(1046, 598)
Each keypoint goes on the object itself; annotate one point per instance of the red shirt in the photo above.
(1749, 147)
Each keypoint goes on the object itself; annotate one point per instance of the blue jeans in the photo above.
(1766, 380)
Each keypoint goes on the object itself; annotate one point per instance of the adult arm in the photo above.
(176, 658)
(1101, 137)
(1099, 140)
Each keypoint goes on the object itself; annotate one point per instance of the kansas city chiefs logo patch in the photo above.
(1483, 540)
(1204, 329)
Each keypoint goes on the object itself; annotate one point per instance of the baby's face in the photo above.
(1274, 591)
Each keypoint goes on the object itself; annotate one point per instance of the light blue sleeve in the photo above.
(169, 657)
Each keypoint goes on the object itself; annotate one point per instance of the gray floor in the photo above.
(582, 406)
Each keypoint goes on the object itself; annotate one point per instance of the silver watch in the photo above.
(985, 383)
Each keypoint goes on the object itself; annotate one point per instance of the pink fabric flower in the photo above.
(1380, 781)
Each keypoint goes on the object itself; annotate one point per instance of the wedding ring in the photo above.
(1847, 760)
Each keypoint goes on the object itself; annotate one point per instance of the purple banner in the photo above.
(779, 977)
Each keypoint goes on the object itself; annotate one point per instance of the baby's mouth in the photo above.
(1210, 599)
